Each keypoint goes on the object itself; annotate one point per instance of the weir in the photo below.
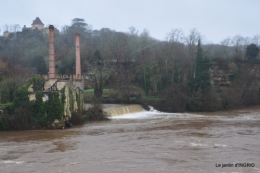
(121, 110)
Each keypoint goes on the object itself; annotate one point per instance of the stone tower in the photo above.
(52, 70)
(37, 24)
(78, 65)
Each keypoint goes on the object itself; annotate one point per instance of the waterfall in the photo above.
(127, 109)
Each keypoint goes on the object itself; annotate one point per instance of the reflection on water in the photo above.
(143, 142)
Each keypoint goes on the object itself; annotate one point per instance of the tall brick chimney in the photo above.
(78, 65)
(52, 70)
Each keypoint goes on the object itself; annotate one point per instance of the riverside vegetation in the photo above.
(22, 114)
(175, 75)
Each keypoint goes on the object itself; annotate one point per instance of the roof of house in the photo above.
(37, 21)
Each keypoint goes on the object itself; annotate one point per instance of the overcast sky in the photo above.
(214, 19)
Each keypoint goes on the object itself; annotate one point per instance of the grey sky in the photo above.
(215, 19)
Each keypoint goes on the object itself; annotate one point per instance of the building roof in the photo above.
(37, 21)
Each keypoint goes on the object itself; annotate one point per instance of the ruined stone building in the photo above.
(69, 87)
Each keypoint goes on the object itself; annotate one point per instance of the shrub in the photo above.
(95, 113)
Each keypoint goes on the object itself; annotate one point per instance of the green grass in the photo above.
(105, 90)
(89, 90)
(152, 98)
(5, 105)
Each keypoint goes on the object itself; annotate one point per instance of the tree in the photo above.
(15, 28)
(80, 24)
(98, 71)
(133, 31)
(7, 27)
(7, 89)
(191, 41)
(40, 65)
(176, 35)
(67, 66)
(252, 51)
(256, 39)
(201, 73)
(237, 43)
(226, 43)
(146, 79)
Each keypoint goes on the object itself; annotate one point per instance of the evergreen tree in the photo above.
(146, 79)
(252, 51)
(39, 63)
(176, 74)
(98, 62)
(201, 73)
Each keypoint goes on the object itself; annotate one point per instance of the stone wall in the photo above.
(39, 27)
(220, 74)
(225, 72)
(73, 98)
(70, 93)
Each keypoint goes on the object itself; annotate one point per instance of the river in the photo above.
(141, 142)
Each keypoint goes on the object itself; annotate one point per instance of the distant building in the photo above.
(37, 24)
(6, 34)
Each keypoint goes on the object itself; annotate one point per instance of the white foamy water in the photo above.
(11, 162)
(139, 115)
(156, 114)
(200, 145)
(220, 145)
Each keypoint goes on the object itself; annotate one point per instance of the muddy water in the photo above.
(144, 142)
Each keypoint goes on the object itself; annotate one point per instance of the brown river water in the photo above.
(141, 142)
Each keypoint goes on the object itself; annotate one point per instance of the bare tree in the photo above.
(98, 71)
(145, 41)
(6, 27)
(226, 43)
(256, 39)
(191, 40)
(194, 37)
(176, 35)
(133, 31)
(237, 43)
(15, 27)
